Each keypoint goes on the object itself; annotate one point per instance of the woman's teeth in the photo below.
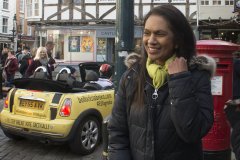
(153, 49)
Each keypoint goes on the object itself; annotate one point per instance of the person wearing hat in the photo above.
(77, 84)
(73, 72)
(105, 76)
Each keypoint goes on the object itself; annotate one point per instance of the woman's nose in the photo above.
(152, 39)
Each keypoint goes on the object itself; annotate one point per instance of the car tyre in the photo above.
(87, 137)
(13, 136)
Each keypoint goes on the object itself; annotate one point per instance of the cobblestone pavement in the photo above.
(35, 150)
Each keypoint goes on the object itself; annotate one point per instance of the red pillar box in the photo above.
(216, 144)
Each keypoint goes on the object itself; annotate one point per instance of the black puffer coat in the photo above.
(170, 128)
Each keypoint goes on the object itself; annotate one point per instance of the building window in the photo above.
(5, 4)
(216, 2)
(178, 0)
(4, 25)
(228, 2)
(77, 1)
(29, 8)
(22, 6)
(107, 0)
(160, 1)
(36, 7)
(205, 2)
(29, 30)
(69, 1)
(21, 22)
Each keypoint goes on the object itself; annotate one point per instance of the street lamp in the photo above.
(14, 19)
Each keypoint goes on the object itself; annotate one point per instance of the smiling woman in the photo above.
(164, 105)
(41, 59)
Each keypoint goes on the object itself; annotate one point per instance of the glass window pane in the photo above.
(36, 13)
(36, 6)
(231, 2)
(77, 1)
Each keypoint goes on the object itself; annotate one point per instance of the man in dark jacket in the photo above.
(236, 77)
(19, 50)
(49, 47)
(233, 116)
(4, 56)
(25, 51)
(26, 60)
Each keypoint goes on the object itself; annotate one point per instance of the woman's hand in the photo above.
(177, 66)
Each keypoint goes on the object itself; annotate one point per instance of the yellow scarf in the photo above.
(158, 73)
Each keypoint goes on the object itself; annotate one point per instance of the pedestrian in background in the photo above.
(26, 51)
(11, 65)
(25, 62)
(49, 47)
(33, 52)
(76, 84)
(233, 117)
(236, 76)
(105, 78)
(41, 59)
(4, 56)
(19, 50)
(164, 106)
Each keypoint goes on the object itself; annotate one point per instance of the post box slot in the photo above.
(222, 66)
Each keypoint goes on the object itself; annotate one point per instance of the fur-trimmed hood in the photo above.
(204, 62)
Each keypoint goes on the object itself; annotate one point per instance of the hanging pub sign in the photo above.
(19, 28)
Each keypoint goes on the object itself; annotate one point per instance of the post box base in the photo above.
(217, 155)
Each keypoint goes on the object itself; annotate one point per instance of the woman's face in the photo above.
(158, 39)
(42, 54)
(9, 54)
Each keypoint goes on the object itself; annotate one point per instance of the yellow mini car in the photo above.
(54, 111)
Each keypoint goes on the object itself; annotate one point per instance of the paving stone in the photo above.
(31, 155)
(11, 155)
(86, 158)
(4, 153)
(19, 156)
(97, 157)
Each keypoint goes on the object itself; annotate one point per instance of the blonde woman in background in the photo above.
(41, 59)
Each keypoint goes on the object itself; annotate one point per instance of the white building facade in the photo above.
(7, 11)
(217, 20)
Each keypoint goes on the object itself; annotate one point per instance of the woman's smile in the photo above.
(153, 50)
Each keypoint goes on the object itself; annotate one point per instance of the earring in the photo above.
(176, 47)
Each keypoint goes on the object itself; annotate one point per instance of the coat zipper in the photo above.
(155, 94)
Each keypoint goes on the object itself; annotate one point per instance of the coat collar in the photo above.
(202, 62)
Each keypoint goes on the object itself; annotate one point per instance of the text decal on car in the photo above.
(102, 99)
(28, 124)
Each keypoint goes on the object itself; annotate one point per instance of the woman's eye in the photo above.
(161, 34)
(146, 33)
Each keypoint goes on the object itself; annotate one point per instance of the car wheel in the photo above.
(13, 136)
(87, 137)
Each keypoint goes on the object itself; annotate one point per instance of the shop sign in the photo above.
(4, 38)
(110, 33)
(27, 38)
(206, 30)
(19, 28)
